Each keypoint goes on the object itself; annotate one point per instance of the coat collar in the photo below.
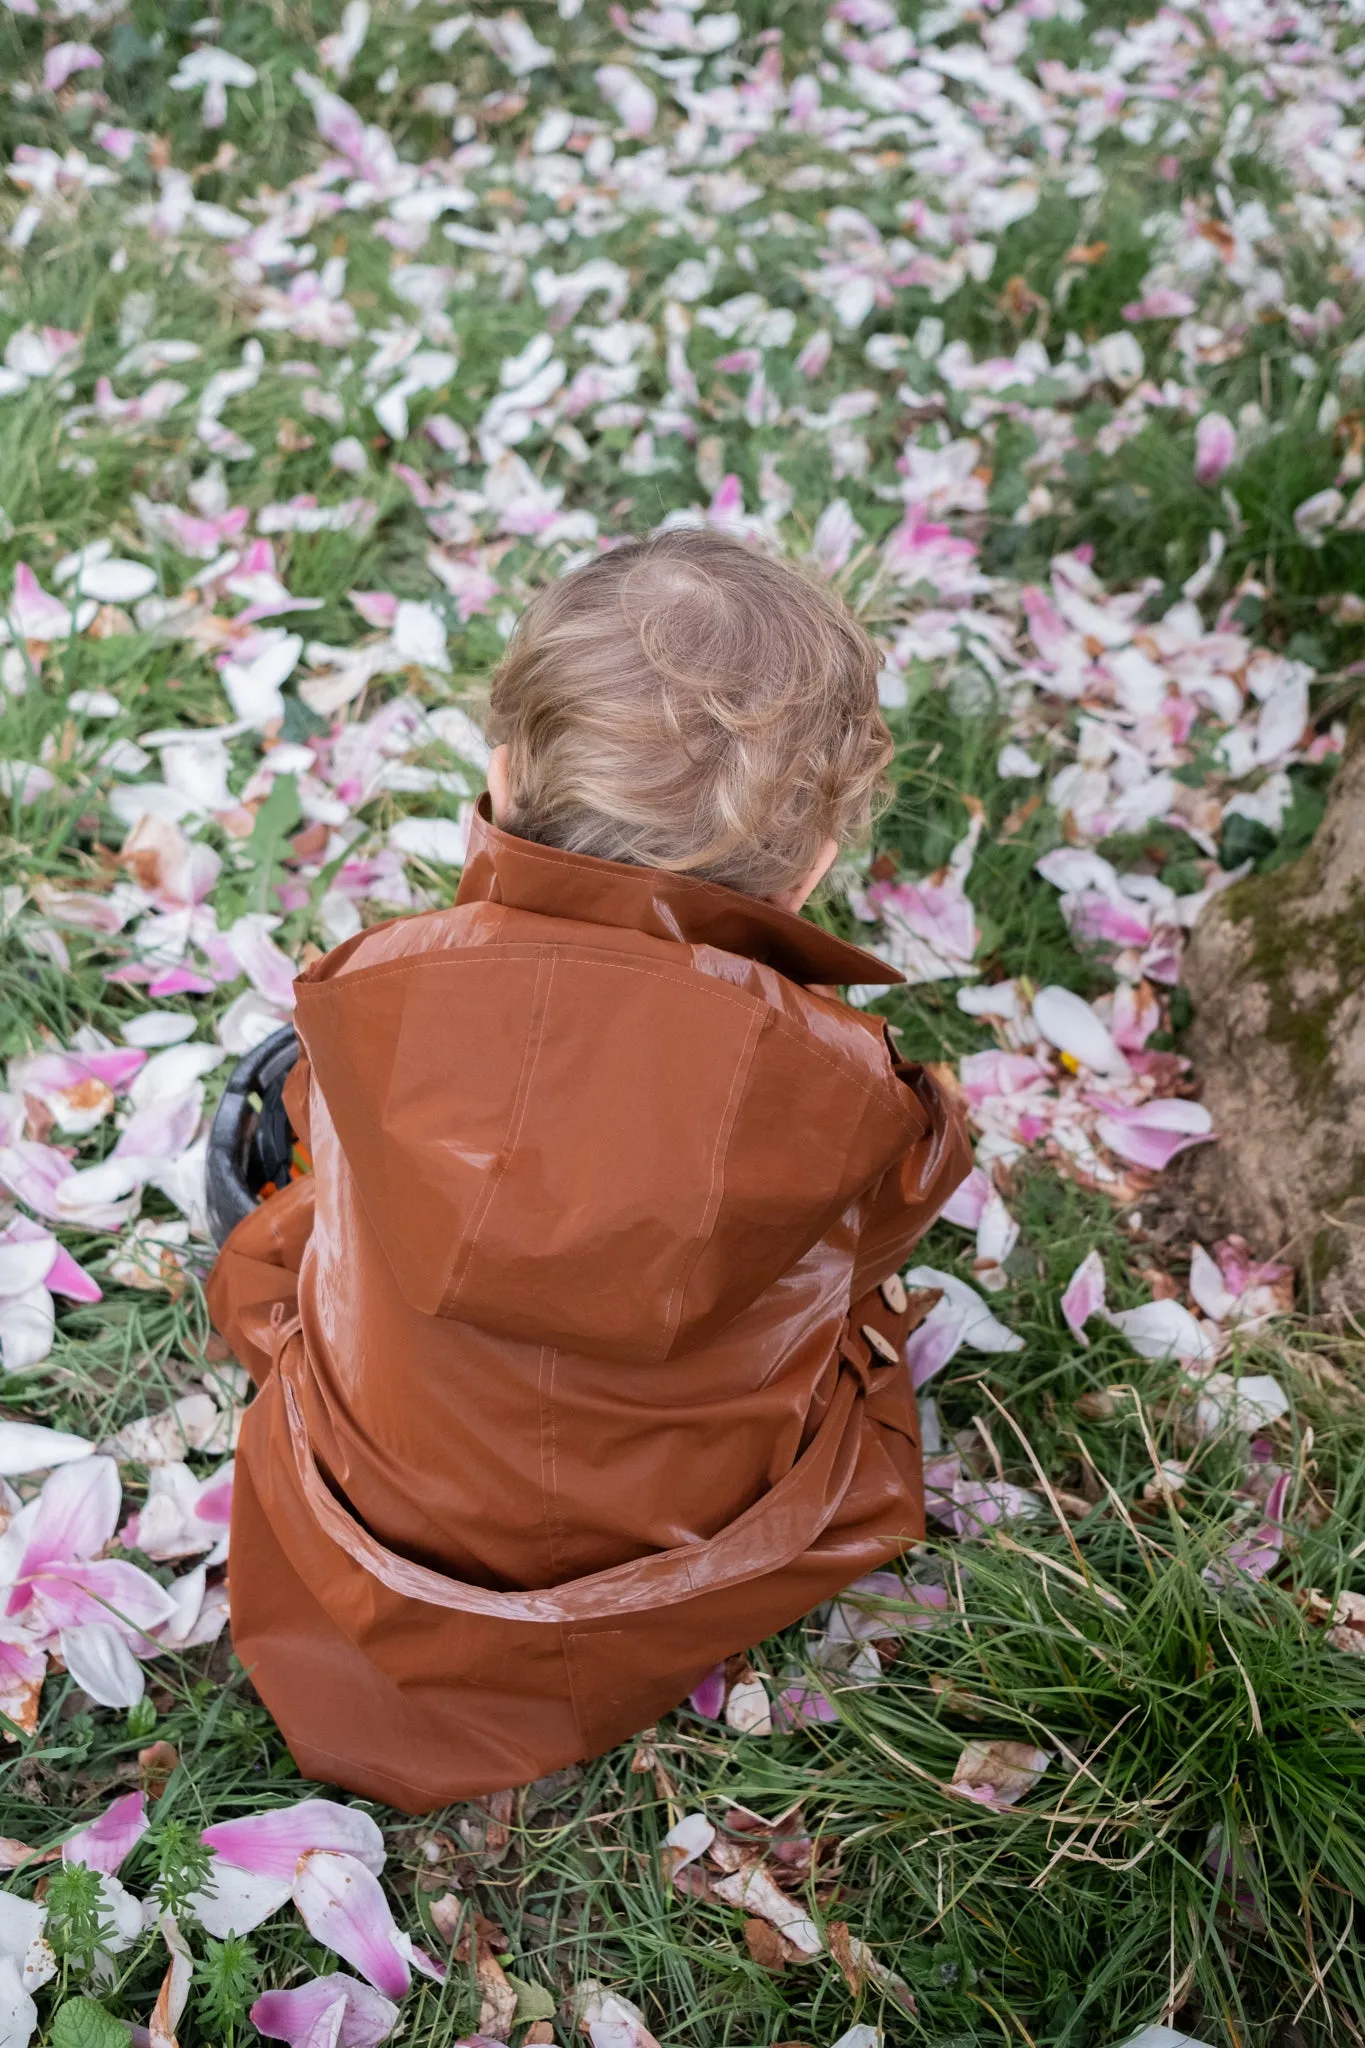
(500, 868)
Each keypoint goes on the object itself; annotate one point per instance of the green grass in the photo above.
(1176, 1715)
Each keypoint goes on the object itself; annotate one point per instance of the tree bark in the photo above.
(1276, 971)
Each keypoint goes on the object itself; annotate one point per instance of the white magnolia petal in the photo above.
(100, 1661)
(236, 1901)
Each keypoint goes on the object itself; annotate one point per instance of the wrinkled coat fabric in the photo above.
(567, 1389)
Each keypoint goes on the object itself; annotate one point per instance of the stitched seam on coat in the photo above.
(725, 1131)
(540, 1005)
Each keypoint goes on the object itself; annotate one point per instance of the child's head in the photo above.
(687, 703)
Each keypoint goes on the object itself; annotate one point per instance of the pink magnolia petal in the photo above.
(1241, 1271)
(1215, 447)
(987, 1074)
(161, 1130)
(1258, 1553)
(1084, 1296)
(105, 1590)
(343, 1906)
(34, 1172)
(1149, 1144)
(1136, 1015)
(270, 972)
(33, 613)
(116, 1068)
(271, 1843)
(325, 2031)
(966, 1204)
(214, 1505)
(104, 1844)
(424, 1964)
(119, 142)
(77, 1515)
(937, 1340)
(707, 1697)
(367, 2016)
(978, 1504)
(181, 981)
(1100, 919)
(802, 1705)
(67, 1277)
(64, 60)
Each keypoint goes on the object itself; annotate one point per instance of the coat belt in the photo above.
(779, 1527)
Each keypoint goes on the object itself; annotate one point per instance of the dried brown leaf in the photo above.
(155, 1766)
(497, 1999)
(765, 1945)
(840, 1944)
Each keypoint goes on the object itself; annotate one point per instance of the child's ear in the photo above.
(497, 784)
(793, 899)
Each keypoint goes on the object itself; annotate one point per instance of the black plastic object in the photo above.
(251, 1143)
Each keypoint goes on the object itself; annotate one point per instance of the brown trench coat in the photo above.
(561, 1396)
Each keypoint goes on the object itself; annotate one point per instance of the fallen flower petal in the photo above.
(18, 2013)
(748, 1710)
(803, 1705)
(175, 1985)
(980, 1329)
(1084, 1296)
(610, 2021)
(31, 1447)
(22, 1670)
(105, 1843)
(1246, 1404)
(753, 1891)
(936, 1342)
(236, 1901)
(685, 1841)
(1259, 1552)
(367, 2017)
(998, 1774)
(343, 1906)
(707, 1697)
(1072, 1026)
(100, 1661)
(1163, 1329)
(270, 1844)
(1153, 1133)
(1215, 447)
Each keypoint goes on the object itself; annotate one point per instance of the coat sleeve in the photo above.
(912, 1192)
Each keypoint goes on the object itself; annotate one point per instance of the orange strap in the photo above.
(767, 1536)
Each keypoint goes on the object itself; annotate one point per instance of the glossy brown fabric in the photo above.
(566, 1391)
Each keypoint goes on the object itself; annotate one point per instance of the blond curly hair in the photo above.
(686, 702)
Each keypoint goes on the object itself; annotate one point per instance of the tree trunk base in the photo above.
(1276, 971)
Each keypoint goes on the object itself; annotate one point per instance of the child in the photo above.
(575, 1373)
